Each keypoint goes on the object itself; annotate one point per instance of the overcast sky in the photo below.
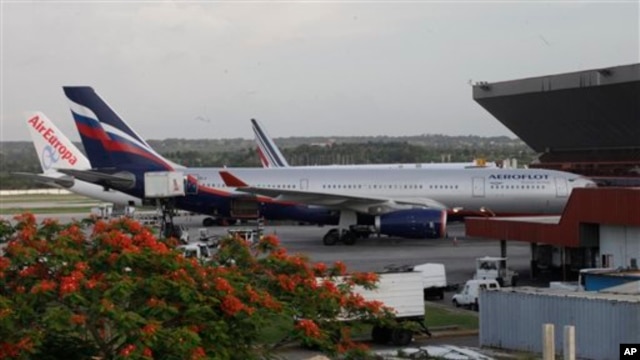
(203, 69)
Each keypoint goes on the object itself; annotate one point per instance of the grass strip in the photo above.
(47, 210)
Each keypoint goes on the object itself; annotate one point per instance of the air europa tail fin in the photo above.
(104, 132)
(54, 149)
(270, 155)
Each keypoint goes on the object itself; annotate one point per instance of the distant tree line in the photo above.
(21, 156)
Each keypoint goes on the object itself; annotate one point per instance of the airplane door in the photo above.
(304, 184)
(191, 184)
(561, 187)
(478, 187)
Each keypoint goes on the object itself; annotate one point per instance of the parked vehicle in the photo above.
(198, 251)
(434, 278)
(495, 268)
(403, 292)
(468, 297)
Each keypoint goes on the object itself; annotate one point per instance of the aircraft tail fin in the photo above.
(54, 149)
(270, 155)
(109, 141)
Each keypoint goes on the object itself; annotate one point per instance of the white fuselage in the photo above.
(497, 191)
(98, 192)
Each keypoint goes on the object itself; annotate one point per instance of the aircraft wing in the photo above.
(96, 177)
(64, 181)
(363, 204)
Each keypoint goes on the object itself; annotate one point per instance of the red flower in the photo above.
(270, 303)
(252, 294)
(270, 241)
(43, 286)
(223, 286)
(150, 328)
(198, 353)
(364, 278)
(340, 267)
(78, 319)
(309, 328)
(286, 283)
(231, 305)
(319, 268)
(127, 350)
(147, 353)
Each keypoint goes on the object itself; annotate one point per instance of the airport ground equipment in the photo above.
(434, 278)
(468, 297)
(403, 292)
(198, 251)
(164, 187)
(495, 268)
(108, 211)
(250, 235)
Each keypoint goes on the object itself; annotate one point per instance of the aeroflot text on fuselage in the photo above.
(519, 176)
(50, 136)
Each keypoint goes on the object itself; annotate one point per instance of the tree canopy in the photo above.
(112, 290)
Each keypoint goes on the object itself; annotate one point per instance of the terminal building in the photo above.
(586, 122)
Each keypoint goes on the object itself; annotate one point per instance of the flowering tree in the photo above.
(111, 289)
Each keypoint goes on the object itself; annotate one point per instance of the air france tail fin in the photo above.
(54, 149)
(109, 141)
(270, 155)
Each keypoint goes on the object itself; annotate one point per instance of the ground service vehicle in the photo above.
(468, 297)
(434, 278)
(198, 251)
(495, 268)
(403, 292)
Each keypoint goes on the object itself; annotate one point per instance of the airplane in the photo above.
(120, 157)
(362, 195)
(410, 203)
(271, 157)
(56, 151)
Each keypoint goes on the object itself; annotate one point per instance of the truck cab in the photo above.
(495, 268)
(468, 297)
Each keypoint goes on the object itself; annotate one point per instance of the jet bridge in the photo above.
(164, 187)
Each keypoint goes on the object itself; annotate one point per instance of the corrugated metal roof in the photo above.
(606, 206)
(592, 295)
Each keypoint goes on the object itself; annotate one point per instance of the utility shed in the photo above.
(512, 318)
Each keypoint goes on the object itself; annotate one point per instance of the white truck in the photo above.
(468, 297)
(403, 292)
(198, 251)
(495, 268)
(434, 278)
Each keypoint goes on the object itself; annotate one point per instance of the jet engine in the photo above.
(413, 223)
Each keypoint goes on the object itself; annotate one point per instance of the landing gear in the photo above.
(333, 236)
(208, 222)
(167, 227)
(348, 231)
(348, 238)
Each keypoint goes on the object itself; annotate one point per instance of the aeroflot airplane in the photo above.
(407, 203)
(56, 151)
(271, 157)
